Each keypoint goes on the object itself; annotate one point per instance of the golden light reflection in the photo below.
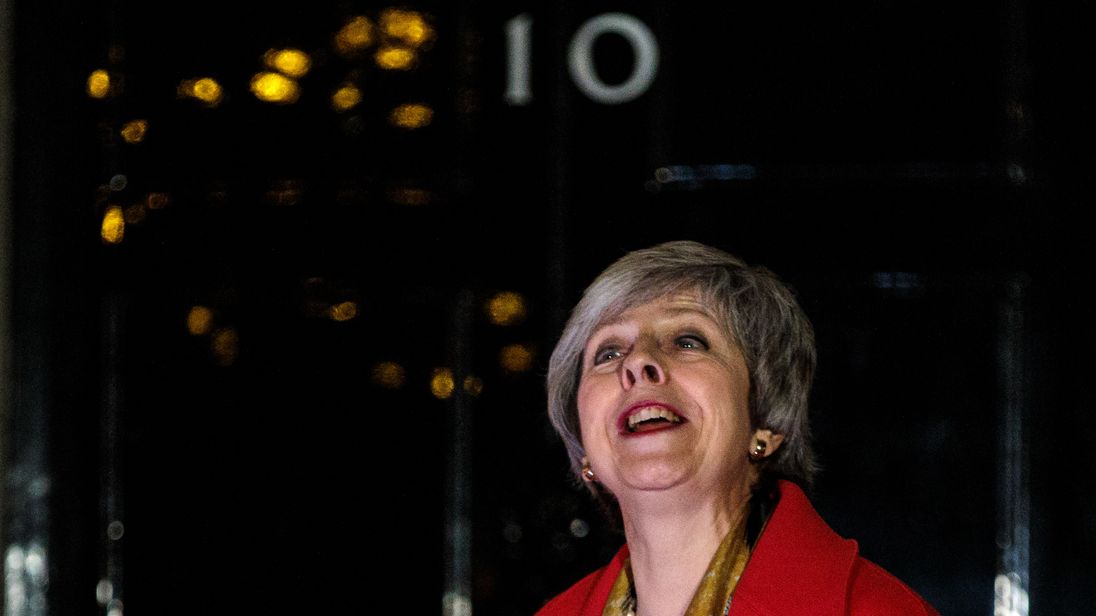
(411, 115)
(113, 228)
(205, 89)
(274, 88)
(389, 375)
(407, 26)
(135, 214)
(98, 85)
(516, 358)
(346, 97)
(410, 196)
(395, 58)
(102, 194)
(225, 345)
(506, 308)
(473, 385)
(199, 321)
(134, 131)
(441, 383)
(292, 62)
(354, 36)
(285, 192)
(157, 201)
(343, 311)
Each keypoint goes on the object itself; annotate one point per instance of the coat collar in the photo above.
(799, 565)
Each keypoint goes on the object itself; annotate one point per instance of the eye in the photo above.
(605, 354)
(691, 341)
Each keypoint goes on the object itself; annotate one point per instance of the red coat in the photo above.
(799, 566)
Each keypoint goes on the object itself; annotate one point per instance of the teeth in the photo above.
(651, 412)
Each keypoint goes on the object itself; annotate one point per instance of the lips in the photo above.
(648, 416)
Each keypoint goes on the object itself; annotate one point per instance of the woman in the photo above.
(679, 387)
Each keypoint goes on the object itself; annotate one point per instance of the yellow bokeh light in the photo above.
(208, 90)
(199, 320)
(410, 196)
(292, 62)
(157, 201)
(389, 375)
(205, 89)
(346, 97)
(355, 35)
(506, 308)
(441, 383)
(285, 193)
(225, 345)
(98, 84)
(395, 58)
(516, 358)
(343, 311)
(134, 131)
(135, 213)
(411, 115)
(407, 26)
(274, 88)
(113, 228)
(473, 385)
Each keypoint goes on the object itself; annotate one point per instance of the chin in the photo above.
(654, 477)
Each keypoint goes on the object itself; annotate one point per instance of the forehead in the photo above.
(666, 307)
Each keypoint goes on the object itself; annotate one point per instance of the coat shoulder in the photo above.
(875, 591)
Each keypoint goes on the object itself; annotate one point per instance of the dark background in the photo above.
(917, 172)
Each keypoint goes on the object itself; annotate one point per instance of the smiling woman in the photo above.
(680, 387)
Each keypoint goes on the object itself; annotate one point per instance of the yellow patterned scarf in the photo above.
(713, 596)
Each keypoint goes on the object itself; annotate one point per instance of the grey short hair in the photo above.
(759, 312)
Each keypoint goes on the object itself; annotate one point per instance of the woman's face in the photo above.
(663, 401)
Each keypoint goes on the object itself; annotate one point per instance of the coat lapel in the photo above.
(799, 565)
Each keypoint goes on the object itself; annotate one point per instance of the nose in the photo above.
(642, 365)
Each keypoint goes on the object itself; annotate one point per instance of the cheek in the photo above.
(586, 402)
(735, 412)
(591, 409)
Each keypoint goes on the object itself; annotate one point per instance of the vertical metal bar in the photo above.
(7, 119)
(1012, 582)
(457, 600)
(1013, 498)
(26, 487)
(1016, 80)
(108, 592)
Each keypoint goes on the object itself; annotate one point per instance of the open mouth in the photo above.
(651, 418)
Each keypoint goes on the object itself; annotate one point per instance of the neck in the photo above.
(671, 541)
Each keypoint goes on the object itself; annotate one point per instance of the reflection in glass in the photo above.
(205, 89)
(225, 345)
(274, 88)
(388, 374)
(291, 62)
(395, 58)
(409, 27)
(343, 311)
(134, 131)
(516, 358)
(199, 320)
(441, 383)
(346, 97)
(113, 228)
(411, 115)
(354, 36)
(506, 308)
(98, 85)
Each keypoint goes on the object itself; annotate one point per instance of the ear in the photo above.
(771, 439)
